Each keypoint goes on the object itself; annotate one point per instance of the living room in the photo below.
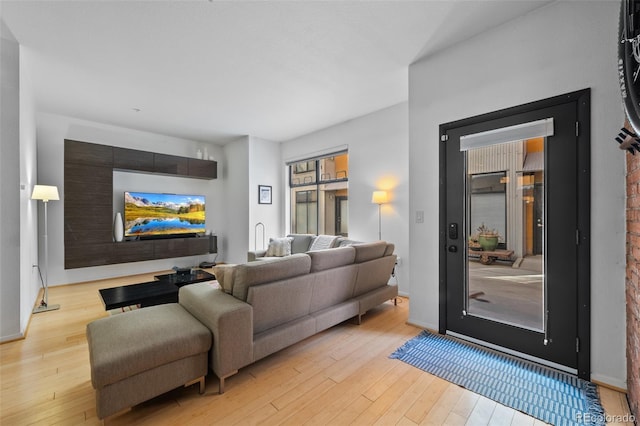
(551, 50)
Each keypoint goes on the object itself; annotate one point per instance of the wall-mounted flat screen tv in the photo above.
(154, 215)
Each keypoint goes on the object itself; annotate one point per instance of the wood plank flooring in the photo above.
(340, 376)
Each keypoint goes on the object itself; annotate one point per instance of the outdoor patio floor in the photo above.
(504, 293)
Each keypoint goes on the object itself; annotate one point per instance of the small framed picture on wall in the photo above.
(264, 194)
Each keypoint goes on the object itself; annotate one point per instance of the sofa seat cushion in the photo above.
(124, 345)
(255, 273)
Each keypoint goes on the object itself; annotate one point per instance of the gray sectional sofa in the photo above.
(266, 306)
(259, 308)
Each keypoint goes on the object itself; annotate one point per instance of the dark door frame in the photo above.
(582, 99)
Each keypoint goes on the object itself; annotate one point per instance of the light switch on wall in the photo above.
(420, 216)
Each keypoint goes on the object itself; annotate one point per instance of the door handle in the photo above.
(453, 249)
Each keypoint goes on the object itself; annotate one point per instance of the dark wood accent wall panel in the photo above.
(174, 247)
(198, 246)
(203, 168)
(130, 251)
(88, 204)
(88, 254)
(170, 164)
(132, 159)
(88, 153)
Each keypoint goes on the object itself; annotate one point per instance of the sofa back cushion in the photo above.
(301, 242)
(268, 270)
(279, 302)
(333, 286)
(369, 251)
(331, 258)
(373, 274)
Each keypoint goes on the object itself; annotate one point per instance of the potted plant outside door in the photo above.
(488, 238)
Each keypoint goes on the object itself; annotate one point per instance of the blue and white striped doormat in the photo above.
(549, 395)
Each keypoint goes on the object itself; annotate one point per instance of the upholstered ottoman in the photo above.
(141, 354)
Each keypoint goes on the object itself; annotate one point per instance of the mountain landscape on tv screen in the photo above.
(149, 214)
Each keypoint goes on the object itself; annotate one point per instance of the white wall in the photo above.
(10, 189)
(378, 159)
(562, 47)
(236, 198)
(250, 162)
(265, 169)
(29, 278)
(52, 130)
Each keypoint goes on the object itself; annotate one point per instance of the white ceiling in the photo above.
(213, 70)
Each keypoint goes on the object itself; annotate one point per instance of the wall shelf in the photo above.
(88, 204)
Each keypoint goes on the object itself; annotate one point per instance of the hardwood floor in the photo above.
(340, 376)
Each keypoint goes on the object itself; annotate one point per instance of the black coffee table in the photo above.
(163, 290)
(197, 276)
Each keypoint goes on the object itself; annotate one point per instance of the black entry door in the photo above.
(538, 219)
(530, 292)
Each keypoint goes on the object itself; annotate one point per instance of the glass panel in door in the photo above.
(505, 228)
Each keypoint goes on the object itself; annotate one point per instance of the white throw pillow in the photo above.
(224, 275)
(279, 247)
(322, 242)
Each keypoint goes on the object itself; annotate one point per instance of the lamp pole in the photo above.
(46, 255)
(45, 193)
(379, 198)
(380, 222)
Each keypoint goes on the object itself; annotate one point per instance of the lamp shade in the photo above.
(379, 197)
(45, 193)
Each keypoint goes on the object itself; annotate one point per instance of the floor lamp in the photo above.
(45, 193)
(379, 198)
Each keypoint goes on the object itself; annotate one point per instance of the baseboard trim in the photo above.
(609, 382)
(422, 325)
(11, 338)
